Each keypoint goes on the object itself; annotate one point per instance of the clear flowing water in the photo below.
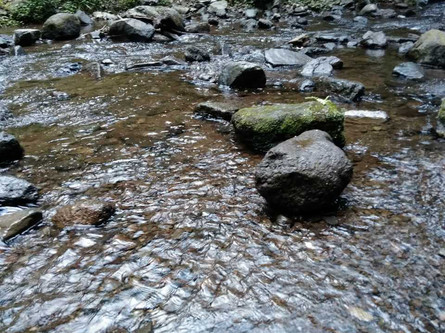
(192, 247)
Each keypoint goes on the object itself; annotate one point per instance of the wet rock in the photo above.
(322, 66)
(203, 27)
(377, 115)
(361, 20)
(302, 21)
(300, 41)
(440, 130)
(10, 149)
(83, 18)
(4, 43)
(385, 13)
(374, 40)
(429, 48)
(409, 70)
(26, 37)
(88, 212)
(369, 9)
(15, 191)
(194, 53)
(219, 8)
(262, 127)
(332, 37)
(103, 16)
(265, 24)
(249, 25)
(307, 86)
(283, 57)
(219, 110)
(61, 26)
(305, 174)
(405, 47)
(330, 17)
(170, 61)
(132, 30)
(350, 90)
(251, 13)
(18, 51)
(14, 224)
(242, 75)
(160, 17)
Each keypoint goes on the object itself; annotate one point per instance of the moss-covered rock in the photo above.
(441, 120)
(263, 127)
(430, 48)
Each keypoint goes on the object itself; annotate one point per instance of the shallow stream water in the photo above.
(192, 247)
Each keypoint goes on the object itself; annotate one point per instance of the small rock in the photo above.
(83, 18)
(251, 13)
(350, 90)
(83, 213)
(10, 149)
(15, 191)
(409, 70)
(305, 174)
(361, 20)
(405, 47)
(18, 51)
(219, 8)
(369, 9)
(13, 224)
(131, 29)
(265, 24)
(283, 57)
(103, 16)
(307, 86)
(194, 53)
(374, 40)
(322, 66)
(216, 110)
(300, 41)
(242, 75)
(26, 37)
(203, 27)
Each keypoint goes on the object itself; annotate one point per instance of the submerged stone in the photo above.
(409, 70)
(220, 110)
(83, 213)
(262, 127)
(305, 174)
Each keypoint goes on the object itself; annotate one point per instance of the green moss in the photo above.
(264, 126)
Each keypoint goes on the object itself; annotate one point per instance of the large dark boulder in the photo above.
(10, 149)
(262, 127)
(132, 30)
(242, 75)
(15, 191)
(86, 212)
(305, 174)
(429, 49)
(62, 26)
(164, 18)
(15, 223)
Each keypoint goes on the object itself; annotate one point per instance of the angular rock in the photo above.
(305, 174)
(369, 9)
(283, 57)
(374, 40)
(62, 26)
(163, 18)
(262, 127)
(10, 149)
(429, 49)
(15, 191)
(26, 37)
(83, 18)
(15, 223)
(219, 8)
(86, 212)
(242, 75)
(405, 47)
(132, 30)
(322, 66)
(301, 40)
(350, 90)
(194, 53)
(251, 13)
(203, 27)
(409, 70)
(220, 110)
(307, 86)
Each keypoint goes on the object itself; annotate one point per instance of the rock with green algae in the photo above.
(429, 48)
(441, 120)
(263, 127)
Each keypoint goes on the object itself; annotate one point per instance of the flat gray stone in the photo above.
(13, 224)
(283, 57)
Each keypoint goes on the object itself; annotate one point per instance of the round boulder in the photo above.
(305, 174)
(430, 49)
(83, 213)
(242, 75)
(10, 149)
(132, 29)
(62, 26)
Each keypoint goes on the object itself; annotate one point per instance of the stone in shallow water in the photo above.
(216, 110)
(242, 75)
(87, 212)
(429, 49)
(374, 40)
(13, 224)
(409, 70)
(305, 174)
(16, 191)
(26, 37)
(132, 30)
(10, 149)
(322, 66)
(61, 26)
(440, 130)
(283, 57)
(350, 90)
(262, 127)
(194, 53)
